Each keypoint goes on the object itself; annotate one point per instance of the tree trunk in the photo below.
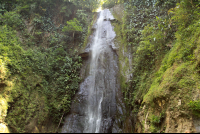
(73, 38)
(59, 123)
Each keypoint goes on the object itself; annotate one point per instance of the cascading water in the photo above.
(95, 106)
(93, 118)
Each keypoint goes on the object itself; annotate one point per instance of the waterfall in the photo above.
(95, 108)
(93, 119)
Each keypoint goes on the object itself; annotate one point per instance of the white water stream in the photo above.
(102, 36)
(93, 118)
(95, 107)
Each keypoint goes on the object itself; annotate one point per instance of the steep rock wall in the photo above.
(101, 79)
(168, 111)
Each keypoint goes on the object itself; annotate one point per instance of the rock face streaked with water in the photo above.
(98, 102)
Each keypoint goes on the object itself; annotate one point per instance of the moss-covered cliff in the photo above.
(39, 64)
(158, 58)
(157, 45)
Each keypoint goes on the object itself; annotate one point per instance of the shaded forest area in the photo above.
(39, 62)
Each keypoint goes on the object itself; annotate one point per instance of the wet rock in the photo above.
(73, 124)
(99, 99)
(196, 122)
(85, 54)
(94, 27)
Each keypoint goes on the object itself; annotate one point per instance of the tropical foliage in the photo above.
(163, 38)
(38, 63)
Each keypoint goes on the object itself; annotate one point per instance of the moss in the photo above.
(94, 18)
(165, 60)
(177, 71)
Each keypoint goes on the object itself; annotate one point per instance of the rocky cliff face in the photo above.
(169, 111)
(172, 120)
(98, 106)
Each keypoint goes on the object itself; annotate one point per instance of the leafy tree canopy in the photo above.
(73, 26)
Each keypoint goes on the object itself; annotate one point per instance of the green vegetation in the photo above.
(111, 3)
(156, 120)
(39, 71)
(164, 43)
(171, 38)
(194, 106)
(39, 64)
(143, 34)
(178, 68)
(73, 25)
